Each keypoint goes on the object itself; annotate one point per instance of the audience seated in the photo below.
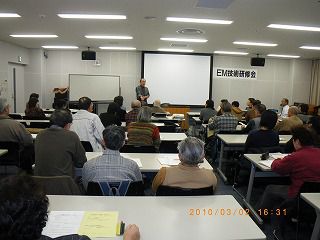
(143, 132)
(254, 123)
(292, 121)
(157, 107)
(13, 131)
(284, 108)
(250, 103)
(236, 111)
(187, 174)
(34, 111)
(132, 115)
(207, 112)
(111, 116)
(57, 149)
(24, 212)
(60, 104)
(219, 113)
(111, 166)
(88, 125)
(251, 114)
(264, 137)
(121, 111)
(32, 95)
(302, 165)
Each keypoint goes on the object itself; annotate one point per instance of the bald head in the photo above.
(135, 104)
(156, 103)
(293, 111)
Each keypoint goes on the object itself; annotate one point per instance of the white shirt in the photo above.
(89, 128)
(284, 111)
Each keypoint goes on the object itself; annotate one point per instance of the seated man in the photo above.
(132, 115)
(302, 165)
(187, 174)
(157, 107)
(254, 123)
(13, 131)
(207, 112)
(292, 121)
(111, 166)
(284, 108)
(57, 149)
(88, 125)
(24, 212)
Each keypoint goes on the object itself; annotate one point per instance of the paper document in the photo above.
(137, 160)
(266, 163)
(99, 224)
(167, 160)
(278, 155)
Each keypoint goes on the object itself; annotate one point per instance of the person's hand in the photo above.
(131, 232)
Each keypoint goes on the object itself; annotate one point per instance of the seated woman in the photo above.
(121, 110)
(207, 112)
(111, 116)
(187, 174)
(33, 111)
(143, 132)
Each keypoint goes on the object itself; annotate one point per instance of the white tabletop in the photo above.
(255, 159)
(30, 120)
(240, 139)
(193, 114)
(123, 124)
(150, 162)
(168, 118)
(3, 151)
(168, 218)
(313, 199)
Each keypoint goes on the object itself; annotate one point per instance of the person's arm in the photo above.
(249, 127)
(156, 137)
(25, 138)
(98, 129)
(131, 232)
(201, 115)
(212, 123)
(158, 179)
(87, 175)
(138, 93)
(283, 166)
(80, 154)
(147, 93)
(137, 173)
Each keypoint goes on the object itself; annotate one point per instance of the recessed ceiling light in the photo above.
(60, 47)
(9, 15)
(197, 40)
(174, 50)
(92, 16)
(33, 35)
(118, 48)
(198, 20)
(282, 56)
(109, 37)
(261, 44)
(310, 47)
(231, 53)
(295, 27)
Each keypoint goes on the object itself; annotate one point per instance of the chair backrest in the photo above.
(177, 191)
(265, 150)
(167, 128)
(39, 124)
(122, 188)
(129, 148)
(13, 155)
(230, 132)
(87, 146)
(15, 116)
(310, 187)
(58, 185)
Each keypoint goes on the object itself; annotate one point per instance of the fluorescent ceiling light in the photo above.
(295, 27)
(33, 35)
(282, 56)
(231, 53)
(118, 48)
(9, 15)
(198, 20)
(310, 47)
(92, 16)
(174, 50)
(109, 37)
(196, 40)
(60, 47)
(261, 44)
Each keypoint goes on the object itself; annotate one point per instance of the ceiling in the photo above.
(250, 20)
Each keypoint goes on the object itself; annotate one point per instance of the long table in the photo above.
(201, 217)
(150, 161)
(314, 200)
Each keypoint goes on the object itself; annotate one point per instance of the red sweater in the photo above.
(302, 165)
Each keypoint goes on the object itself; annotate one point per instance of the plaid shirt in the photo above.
(131, 116)
(225, 122)
(111, 166)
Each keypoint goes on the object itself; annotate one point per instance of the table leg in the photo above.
(219, 169)
(316, 229)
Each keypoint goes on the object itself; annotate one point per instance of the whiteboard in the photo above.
(177, 78)
(96, 87)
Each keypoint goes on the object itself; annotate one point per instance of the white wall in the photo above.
(279, 78)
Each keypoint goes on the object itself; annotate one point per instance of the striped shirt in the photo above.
(142, 133)
(225, 122)
(111, 166)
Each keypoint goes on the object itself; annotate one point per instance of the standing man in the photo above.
(142, 92)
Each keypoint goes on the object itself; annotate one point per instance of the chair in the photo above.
(39, 124)
(129, 148)
(12, 158)
(177, 191)
(15, 116)
(87, 146)
(167, 128)
(112, 188)
(58, 185)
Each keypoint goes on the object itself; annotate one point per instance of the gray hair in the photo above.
(3, 104)
(144, 114)
(157, 103)
(114, 137)
(136, 104)
(191, 151)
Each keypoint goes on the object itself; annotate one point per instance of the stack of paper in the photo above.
(277, 155)
(167, 160)
(266, 163)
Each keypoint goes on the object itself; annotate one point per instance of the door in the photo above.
(16, 88)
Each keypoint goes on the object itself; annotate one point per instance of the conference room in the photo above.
(172, 119)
